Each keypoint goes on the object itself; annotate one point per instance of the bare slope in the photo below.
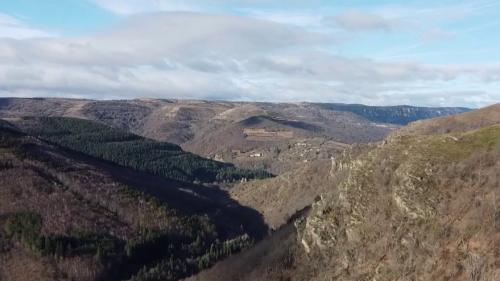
(279, 198)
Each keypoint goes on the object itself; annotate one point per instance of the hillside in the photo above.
(66, 216)
(280, 198)
(236, 131)
(414, 207)
(129, 150)
(401, 115)
(456, 123)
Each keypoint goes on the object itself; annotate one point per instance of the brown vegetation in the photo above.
(456, 123)
(411, 208)
(278, 199)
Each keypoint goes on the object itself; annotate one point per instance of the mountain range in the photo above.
(250, 135)
(205, 190)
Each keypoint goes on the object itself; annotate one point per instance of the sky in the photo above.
(426, 53)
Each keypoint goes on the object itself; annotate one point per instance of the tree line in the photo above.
(129, 150)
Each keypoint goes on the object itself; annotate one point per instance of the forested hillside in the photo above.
(127, 149)
(62, 217)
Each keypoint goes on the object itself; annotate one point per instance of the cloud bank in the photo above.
(216, 56)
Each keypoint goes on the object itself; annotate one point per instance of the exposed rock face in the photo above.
(414, 208)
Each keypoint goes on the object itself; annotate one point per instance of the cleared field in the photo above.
(265, 135)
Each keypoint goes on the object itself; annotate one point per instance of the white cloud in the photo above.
(174, 54)
(13, 28)
(357, 20)
(128, 7)
(155, 38)
(302, 19)
(436, 34)
(192, 55)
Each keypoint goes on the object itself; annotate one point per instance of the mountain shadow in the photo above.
(230, 217)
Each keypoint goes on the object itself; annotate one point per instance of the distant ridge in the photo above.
(457, 123)
(283, 135)
(399, 114)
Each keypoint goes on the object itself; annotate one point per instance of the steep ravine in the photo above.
(410, 208)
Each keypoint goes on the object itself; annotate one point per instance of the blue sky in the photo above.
(61, 16)
(373, 52)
